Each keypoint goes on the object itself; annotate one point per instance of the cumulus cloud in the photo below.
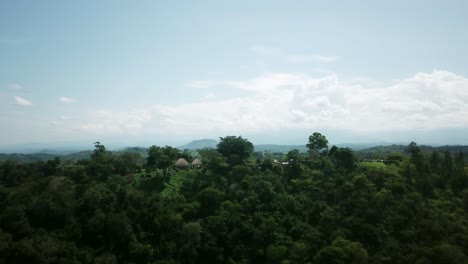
(22, 101)
(277, 101)
(67, 100)
(118, 122)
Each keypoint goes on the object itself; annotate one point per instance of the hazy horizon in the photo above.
(150, 72)
(425, 138)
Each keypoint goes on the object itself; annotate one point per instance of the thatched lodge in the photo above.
(182, 163)
(196, 163)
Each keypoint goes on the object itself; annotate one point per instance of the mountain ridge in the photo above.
(363, 149)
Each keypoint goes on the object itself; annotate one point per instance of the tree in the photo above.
(127, 162)
(75, 172)
(416, 156)
(330, 255)
(100, 165)
(459, 181)
(161, 158)
(235, 149)
(294, 168)
(153, 154)
(187, 155)
(436, 162)
(213, 160)
(355, 252)
(447, 169)
(99, 151)
(393, 158)
(317, 142)
(343, 158)
(11, 173)
(52, 166)
(190, 241)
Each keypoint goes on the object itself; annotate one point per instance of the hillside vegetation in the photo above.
(323, 206)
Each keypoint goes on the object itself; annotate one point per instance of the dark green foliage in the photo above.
(324, 208)
(235, 149)
(161, 158)
(394, 158)
(100, 164)
(317, 142)
(343, 158)
(213, 160)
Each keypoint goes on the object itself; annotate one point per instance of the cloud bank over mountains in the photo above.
(282, 101)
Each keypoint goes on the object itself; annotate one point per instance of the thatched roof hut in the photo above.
(181, 163)
(196, 163)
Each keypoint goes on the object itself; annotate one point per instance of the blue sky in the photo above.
(165, 72)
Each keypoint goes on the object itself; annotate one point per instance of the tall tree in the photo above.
(235, 149)
(213, 160)
(317, 143)
(436, 162)
(460, 181)
(100, 165)
(423, 179)
(153, 154)
(161, 158)
(447, 169)
(293, 169)
(343, 158)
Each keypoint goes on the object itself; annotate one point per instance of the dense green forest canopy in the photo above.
(329, 205)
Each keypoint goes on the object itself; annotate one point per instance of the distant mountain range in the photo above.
(199, 144)
(378, 151)
(31, 157)
(363, 150)
(211, 143)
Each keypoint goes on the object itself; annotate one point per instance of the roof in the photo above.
(181, 163)
(196, 162)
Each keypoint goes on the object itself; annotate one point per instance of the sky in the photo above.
(167, 72)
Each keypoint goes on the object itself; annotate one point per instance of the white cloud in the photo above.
(22, 101)
(67, 100)
(15, 86)
(117, 122)
(278, 101)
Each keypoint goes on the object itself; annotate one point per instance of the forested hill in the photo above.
(323, 206)
(280, 148)
(199, 144)
(362, 150)
(45, 156)
(381, 151)
(303, 148)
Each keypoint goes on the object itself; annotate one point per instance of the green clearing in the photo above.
(379, 165)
